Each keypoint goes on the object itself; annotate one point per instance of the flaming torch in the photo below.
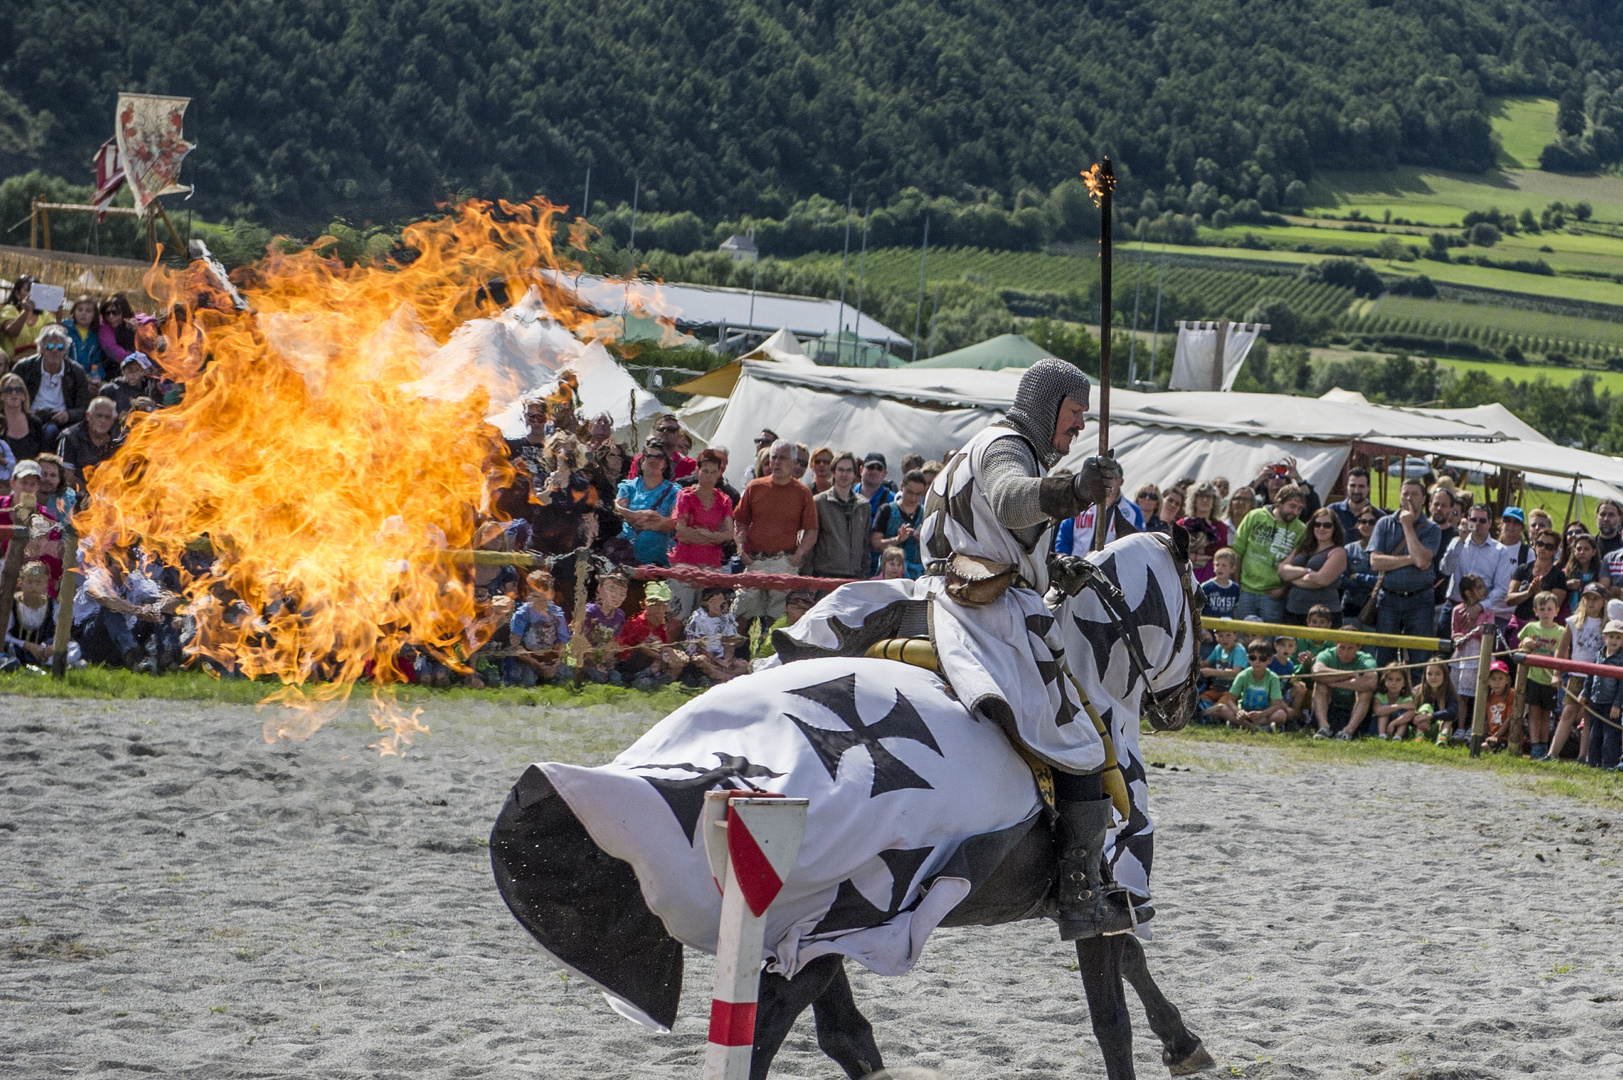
(1101, 181)
(326, 489)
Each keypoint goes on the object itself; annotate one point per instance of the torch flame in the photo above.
(326, 488)
(1100, 178)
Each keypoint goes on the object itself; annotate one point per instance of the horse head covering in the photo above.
(1036, 403)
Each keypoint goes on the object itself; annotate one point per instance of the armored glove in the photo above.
(1068, 573)
(1092, 483)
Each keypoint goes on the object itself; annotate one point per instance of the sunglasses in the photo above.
(673, 431)
(1324, 525)
(1479, 521)
(56, 348)
(762, 442)
(1546, 546)
(1368, 521)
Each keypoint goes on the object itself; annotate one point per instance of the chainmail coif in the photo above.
(1036, 404)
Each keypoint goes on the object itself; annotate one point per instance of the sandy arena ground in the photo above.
(180, 899)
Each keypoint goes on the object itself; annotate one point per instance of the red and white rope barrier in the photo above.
(752, 839)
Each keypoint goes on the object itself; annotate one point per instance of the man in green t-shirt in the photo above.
(1343, 687)
(1264, 539)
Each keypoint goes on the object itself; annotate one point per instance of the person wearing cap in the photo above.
(1500, 698)
(1476, 552)
(878, 490)
(25, 482)
(1512, 537)
(1605, 697)
(649, 659)
(135, 381)
(987, 542)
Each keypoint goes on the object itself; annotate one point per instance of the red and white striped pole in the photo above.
(752, 840)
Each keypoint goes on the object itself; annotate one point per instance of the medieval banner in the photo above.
(150, 146)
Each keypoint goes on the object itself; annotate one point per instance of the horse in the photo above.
(921, 815)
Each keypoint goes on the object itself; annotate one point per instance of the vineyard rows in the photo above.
(1225, 292)
(1494, 328)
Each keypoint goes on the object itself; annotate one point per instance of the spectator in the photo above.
(1436, 703)
(1605, 697)
(1358, 581)
(1314, 567)
(1148, 500)
(58, 389)
(89, 442)
(1445, 507)
(20, 323)
(1281, 474)
(667, 434)
(1241, 503)
(1512, 536)
(1343, 689)
(795, 606)
(84, 337)
(911, 462)
(526, 450)
(931, 469)
(1580, 641)
(1401, 549)
(126, 610)
(822, 470)
(1394, 704)
(1264, 539)
(650, 659)
(1284, 665)
(135, 381)
(1075, 535)
(538, 633)
(1207, 531)
(599, 654)
(763, 446)
(843, 527)
(31, 638)
(701, 523)
(712, 632)
(599, 433)
(1500, 699)
(1222, 662)
(56, 496)
(1540, 638)
(899, 522)
(771, 514)
(892, 565)
(1480, 554)
(1470, 623)
(1354, 506)
(1255, 699)
(117, 333)
(1608, 526)
(1584, 565)
(647, 504)
(1540, 575)
(802, 463)
(878, 491)
(1171, 509)
(1221, 483)
(24, 435)
(25, 481)
(1221, 591)
(564, 507)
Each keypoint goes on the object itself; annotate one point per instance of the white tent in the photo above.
(1157, 437)
(522, 350)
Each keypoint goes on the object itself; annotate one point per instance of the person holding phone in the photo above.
(20, 323)
(1284, 473)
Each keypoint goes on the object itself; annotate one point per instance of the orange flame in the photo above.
(1101, 180)
(327, 489)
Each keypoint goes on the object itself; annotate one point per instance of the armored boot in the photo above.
(1090, 903)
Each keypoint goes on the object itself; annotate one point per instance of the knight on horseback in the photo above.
(987, 540)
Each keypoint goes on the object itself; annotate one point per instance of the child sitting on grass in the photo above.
(1541, 638)
(650, 660)
(1435, 703)
(1254, 699)
(713, 637)
(539, 629)
(1221, 664)
(1394, 703)
(599, 653)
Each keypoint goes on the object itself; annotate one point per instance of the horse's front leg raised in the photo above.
(1100, 962)
(1181, 1049)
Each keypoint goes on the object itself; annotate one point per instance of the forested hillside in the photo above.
(307, 110)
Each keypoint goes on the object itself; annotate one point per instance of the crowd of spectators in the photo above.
(1438, 565)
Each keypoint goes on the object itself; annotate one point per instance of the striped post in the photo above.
(752, 840)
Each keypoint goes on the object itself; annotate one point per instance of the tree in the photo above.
(1352, 274)
(1483, 234)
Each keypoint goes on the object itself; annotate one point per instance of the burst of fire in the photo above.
(326, 488)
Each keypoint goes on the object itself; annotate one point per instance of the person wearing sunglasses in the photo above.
(667, 434)
(58, 388)
(24, 435)
(1543, 574)
(1359, 579)
(1314, 568)
(1476, 552)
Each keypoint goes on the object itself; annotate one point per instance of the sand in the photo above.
(179, 898)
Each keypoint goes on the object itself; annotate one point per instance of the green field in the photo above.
(1523, 126)
(1560, 376)
(1442, 199)
(1492, 326)
(1032, 271)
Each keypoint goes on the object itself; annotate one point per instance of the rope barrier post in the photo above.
(65, 593)
(1518, 710)
(1484, 667)
(752, 840)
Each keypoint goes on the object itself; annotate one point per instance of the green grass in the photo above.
(898, 268)
(1560, 376)
(1523, 126)
(1437, 198)
(1489, 325)
(1592, 786)
(118, 684)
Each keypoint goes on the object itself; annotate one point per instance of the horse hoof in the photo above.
(1198, 1060)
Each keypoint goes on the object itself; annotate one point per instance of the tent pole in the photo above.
(1572, 500)
(862, 266)
(918, 312)
(845, 262)
(1132, 350)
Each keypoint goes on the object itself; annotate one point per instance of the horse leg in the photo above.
(1181, 1049)
(843, 1033)
(1100, 962)
(780, 1003)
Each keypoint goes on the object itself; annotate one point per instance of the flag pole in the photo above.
(1101, 181)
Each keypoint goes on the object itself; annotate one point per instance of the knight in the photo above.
(987, 540)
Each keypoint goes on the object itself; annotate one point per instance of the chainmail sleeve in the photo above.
(1023, 502)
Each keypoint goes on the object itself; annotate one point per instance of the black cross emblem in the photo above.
(853, 911)
(839, 696)
(686, 797)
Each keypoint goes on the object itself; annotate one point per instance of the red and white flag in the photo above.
(150, 146)
(109, 177)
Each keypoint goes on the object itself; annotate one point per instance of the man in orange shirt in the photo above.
(775, 523)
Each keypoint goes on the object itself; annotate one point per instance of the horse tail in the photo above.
(582, 905)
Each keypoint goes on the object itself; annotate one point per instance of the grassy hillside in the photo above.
(1523, 126)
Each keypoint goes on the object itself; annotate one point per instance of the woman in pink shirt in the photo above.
(702, 517)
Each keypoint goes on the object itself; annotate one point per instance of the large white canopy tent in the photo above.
(1157, 437)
